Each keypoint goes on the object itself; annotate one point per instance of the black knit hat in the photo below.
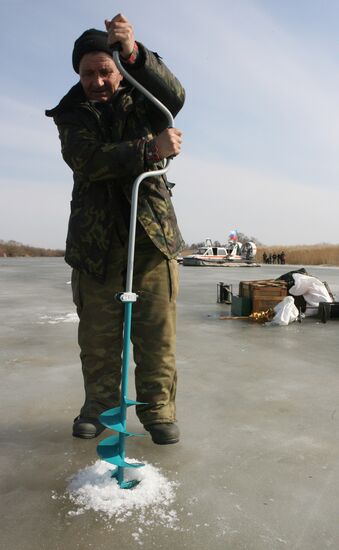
(90, 41)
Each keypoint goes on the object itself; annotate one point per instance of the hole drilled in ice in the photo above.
(93, 488)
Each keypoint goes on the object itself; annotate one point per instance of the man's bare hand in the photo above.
(120, 30)
(169, 142)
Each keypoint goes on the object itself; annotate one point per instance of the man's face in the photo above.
(99, 76)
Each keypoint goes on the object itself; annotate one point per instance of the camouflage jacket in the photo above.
(107, 157)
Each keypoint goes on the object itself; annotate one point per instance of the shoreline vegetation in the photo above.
(13, 249)
(316, 254)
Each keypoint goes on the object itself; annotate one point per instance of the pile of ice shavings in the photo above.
(149, 501)
(68, 318)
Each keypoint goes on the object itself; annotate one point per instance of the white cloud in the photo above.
(34, 213)
(252, 66)
(26, 128)
(212, 198)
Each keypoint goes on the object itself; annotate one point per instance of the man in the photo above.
(110, 133)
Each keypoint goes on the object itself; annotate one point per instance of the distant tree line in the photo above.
(14, 249)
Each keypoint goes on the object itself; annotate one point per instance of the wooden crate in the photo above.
(264, 294)
(263, 303)
(246, 287)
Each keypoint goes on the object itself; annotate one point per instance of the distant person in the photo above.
(270, 259)
(279, 258)
(264, 258)
(274, 258)
(110, 133)
(283, 258)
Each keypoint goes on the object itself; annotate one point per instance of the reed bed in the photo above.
(316, 254)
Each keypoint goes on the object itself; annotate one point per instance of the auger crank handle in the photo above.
(116, 47)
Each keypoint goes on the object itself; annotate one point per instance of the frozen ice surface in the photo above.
(56, 319)
(257, 465)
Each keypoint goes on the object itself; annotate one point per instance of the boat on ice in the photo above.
(235, 253)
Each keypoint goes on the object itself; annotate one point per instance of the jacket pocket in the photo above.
(173, 275)
(75, 283)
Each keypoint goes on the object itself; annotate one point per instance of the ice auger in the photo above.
(112, 449)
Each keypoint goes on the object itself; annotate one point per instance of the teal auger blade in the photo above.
(112, 420)
(124, 484)
(130, 402)
(129, 484)
(108, 450)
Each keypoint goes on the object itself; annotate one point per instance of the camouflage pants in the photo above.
(153, 331)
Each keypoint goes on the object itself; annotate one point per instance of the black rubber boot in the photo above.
(87, 428)
(164, 434)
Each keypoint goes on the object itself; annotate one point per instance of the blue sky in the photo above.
(260, 123)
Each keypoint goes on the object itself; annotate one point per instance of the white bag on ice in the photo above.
(285, 312)
(313, 290)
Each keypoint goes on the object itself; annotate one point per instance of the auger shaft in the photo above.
(124, 384)
(111, 450)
